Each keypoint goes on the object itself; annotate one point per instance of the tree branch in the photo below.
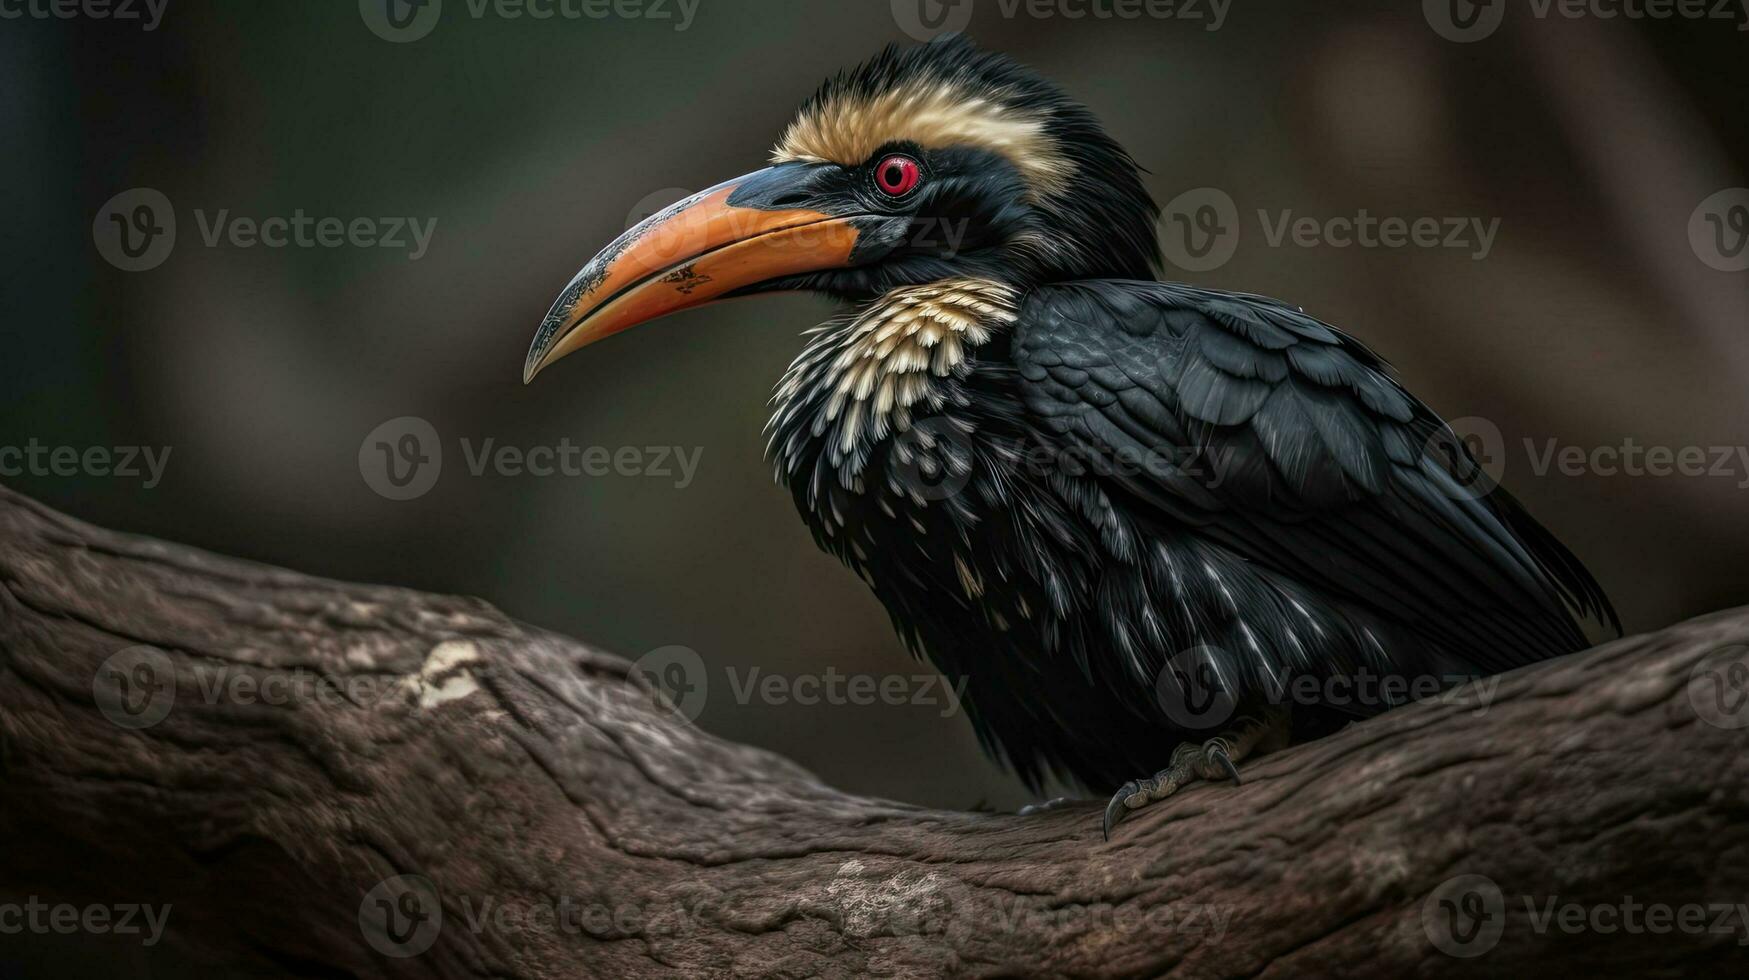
(317, 739)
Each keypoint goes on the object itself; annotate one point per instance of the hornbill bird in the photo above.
(1146, 523)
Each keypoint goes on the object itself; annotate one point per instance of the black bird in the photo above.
(1147, 523)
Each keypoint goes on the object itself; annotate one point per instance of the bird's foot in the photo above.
(1046, 806)
(1210, 761)
(1215, 759)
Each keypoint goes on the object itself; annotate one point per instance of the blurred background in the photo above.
(1601, 315)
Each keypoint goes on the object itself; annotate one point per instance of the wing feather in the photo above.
(1310, 460)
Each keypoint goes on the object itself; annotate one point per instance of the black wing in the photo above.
(1292, 447)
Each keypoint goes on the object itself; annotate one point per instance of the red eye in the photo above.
(896, 175)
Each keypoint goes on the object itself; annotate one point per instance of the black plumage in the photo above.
(1295, 512)
(1295, 518)
(1091, 496)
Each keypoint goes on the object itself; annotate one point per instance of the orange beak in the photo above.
(688, 255)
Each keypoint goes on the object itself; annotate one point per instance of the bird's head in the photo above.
(925, 163)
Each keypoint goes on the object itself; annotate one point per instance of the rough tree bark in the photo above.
(547, 817)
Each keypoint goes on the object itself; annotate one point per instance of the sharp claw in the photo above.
(1117, 809)
(1212, 761)
(1219, 754)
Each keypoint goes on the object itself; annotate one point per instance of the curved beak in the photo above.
(736, 234)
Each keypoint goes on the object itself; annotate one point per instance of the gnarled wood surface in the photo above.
(553, 820)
